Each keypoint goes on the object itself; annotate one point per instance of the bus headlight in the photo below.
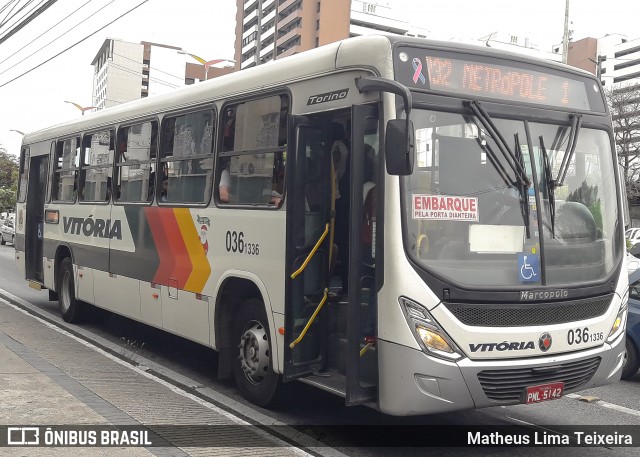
(619, 324)
(431, 337)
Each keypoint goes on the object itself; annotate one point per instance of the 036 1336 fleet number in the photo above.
(235, 242)
(583, 336)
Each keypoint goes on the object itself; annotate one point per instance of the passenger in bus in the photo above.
(225, 183)
(165, 187)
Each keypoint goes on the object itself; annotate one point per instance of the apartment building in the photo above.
(126, 71)
(273, 29)
(614, 58)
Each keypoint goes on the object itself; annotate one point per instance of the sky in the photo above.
(207, 28)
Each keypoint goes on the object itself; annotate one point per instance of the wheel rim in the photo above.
(65, 292)
(254, 352)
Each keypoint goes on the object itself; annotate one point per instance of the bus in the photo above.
(413, 225)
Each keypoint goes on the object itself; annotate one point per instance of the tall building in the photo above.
(123, 71)
(126, 71)
(273, 29)
(613, 58)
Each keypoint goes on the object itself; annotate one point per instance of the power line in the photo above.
(161, 81)
(6, 5)
(7, 18)
(26, 21)
(154, 68)
(63, 34)
(44, 33)
(10, 11)
(75, 44)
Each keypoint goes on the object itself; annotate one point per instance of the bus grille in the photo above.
(510, 384)
(518, 315)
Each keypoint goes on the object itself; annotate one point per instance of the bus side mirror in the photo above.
(399, 147)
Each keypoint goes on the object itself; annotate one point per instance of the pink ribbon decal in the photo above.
(417, 66)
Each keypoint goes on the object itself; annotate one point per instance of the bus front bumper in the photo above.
(413, 383)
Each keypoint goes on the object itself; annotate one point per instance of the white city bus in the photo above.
(413, 225)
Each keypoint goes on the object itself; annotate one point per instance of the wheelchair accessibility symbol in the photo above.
(529, 267)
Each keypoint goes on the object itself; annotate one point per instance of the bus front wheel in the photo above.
(631, 361)
(252, 369)
(70, 307)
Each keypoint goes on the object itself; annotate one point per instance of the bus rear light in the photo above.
(431, 337)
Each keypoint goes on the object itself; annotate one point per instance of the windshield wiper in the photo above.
(511, 159)
(576, 123)
(524, 197)
(550, 186)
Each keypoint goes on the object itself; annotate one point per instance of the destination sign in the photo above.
(486, 77)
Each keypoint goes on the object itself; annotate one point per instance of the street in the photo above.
(316, 413)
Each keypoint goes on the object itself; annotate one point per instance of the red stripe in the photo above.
(181, 266)
(161, 242)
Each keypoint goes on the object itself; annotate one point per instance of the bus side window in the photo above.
(97, 160)
(65, 172)
(135, 167)
(251, 172)
(187, 157)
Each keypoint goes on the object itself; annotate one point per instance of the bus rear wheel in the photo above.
(252, 369)
(70, 307)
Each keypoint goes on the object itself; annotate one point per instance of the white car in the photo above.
(7, 231)
(633, 235)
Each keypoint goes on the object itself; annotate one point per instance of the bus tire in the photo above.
(252, 369)
(631, 362)
(70, 307)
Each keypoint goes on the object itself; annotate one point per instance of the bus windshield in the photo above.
(472, 219)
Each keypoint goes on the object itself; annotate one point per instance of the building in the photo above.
(514, 42)
(126, 71)
(274, 29)
(614, 58)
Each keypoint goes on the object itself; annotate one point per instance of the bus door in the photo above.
(361, 352)
(326, 336)
(34, 221)
(308, 253)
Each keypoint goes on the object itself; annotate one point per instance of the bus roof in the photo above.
(373, 51)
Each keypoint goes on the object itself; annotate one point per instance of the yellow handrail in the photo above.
(311, 319)
(313, 251)
(366, 348)
(311, 254)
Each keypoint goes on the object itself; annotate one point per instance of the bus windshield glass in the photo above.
(473, 220)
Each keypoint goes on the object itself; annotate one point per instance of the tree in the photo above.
(8, 180)
(624, 102)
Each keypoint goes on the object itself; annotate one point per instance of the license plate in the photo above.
(544, 392)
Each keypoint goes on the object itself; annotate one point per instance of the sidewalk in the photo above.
(51, 378)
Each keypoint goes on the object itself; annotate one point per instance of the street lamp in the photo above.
(81, 108)
(207, 63)
(17, 131)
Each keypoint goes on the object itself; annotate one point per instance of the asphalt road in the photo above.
(309, 409)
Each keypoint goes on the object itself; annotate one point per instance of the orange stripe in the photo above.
(181, 268)
(200, 264)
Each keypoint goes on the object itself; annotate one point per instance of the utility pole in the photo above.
(565, 39)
